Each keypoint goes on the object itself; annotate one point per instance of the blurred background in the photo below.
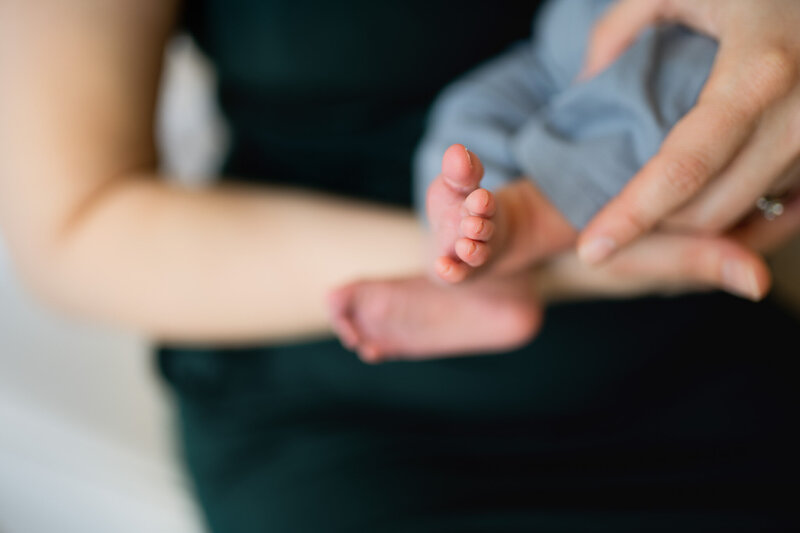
(85, 442)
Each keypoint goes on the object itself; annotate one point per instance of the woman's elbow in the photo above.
(38, 265)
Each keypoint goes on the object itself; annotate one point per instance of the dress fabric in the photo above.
(648, 415)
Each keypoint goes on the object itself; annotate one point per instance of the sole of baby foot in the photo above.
(525, 229)
(415, 319)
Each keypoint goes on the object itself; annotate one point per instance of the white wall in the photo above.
(85, 442)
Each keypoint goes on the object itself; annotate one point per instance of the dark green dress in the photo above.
(652, 415)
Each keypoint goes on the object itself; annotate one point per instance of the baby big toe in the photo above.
(461, 169)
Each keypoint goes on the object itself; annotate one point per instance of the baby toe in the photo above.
(477, 228)
(473, 253)
(451, 270)
(461, 169)
(480, 202)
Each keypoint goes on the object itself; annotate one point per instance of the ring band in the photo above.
(770, 207)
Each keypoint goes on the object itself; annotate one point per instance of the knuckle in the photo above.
(686, 173)
(746, 91)
(668, 8)
(772, 75)
(777, 71)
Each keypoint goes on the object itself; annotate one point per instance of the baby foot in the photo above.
(474, 229)
(461, 215)
(415, 319)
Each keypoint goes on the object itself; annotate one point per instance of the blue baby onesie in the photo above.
(524, 113)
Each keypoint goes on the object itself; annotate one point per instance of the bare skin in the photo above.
(473, 232)
(412, 318)
(477, 232)
(739, 142)
(95, 229)
(415, 318)
(471, 229)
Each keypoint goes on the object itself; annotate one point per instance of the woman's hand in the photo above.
(673, 263)
(740, 142)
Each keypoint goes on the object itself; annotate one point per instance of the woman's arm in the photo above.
(95, 230)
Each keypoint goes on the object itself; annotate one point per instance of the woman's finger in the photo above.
(671, 260)
(699, 147)
(768, 162)
(619, 27)
(731, 263)
(615, 31)
(659, 263)
(742, 85)
(668, 262)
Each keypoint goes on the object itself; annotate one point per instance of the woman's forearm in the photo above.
(223, 265)
(77, 105)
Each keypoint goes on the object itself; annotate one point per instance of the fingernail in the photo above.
(469, 156)
(596, 250)
(740, 280)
